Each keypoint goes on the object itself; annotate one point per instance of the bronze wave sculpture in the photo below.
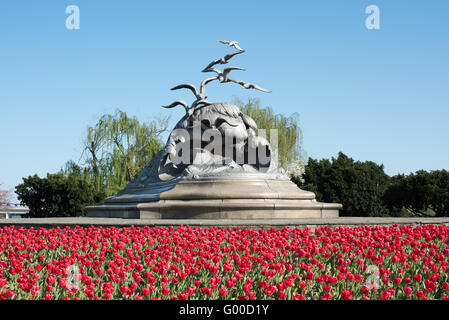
(214, 165)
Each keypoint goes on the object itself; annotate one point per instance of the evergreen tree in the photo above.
(358, 186)
(57, 195)
(420, 194)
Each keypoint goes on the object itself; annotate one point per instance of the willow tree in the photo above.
(116, 148)
(289, 145)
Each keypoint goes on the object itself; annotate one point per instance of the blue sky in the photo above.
(379, 95)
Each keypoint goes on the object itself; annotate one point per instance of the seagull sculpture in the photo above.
(248, 85)
(223, 60)
(234, 44)
(177, 103)
(190, 87)
(222, 76)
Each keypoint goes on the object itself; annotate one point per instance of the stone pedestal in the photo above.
(217, 199)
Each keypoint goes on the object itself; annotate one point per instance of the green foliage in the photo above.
(422, 193)
(290, 149)
(57, 195)
(365, 190)
(359, 186)
(115, 150)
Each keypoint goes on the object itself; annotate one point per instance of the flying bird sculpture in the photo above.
(190, 87)
(222, 77)
(234, 44)
(223, 60)
(177, 103)
(248, 85)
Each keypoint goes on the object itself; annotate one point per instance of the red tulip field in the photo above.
(361, 263)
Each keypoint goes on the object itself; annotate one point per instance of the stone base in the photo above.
(217, 209)
(220, 199)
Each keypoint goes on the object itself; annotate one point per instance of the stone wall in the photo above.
(223, 223)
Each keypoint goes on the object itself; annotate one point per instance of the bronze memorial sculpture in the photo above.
(214, 166)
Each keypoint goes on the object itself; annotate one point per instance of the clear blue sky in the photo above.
(380, 95)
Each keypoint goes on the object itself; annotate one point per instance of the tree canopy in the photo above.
(422, 193)
(116, 148)
(4, 197)
(358, 186)
(290, 150)
(57, 195)
(365, 190)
